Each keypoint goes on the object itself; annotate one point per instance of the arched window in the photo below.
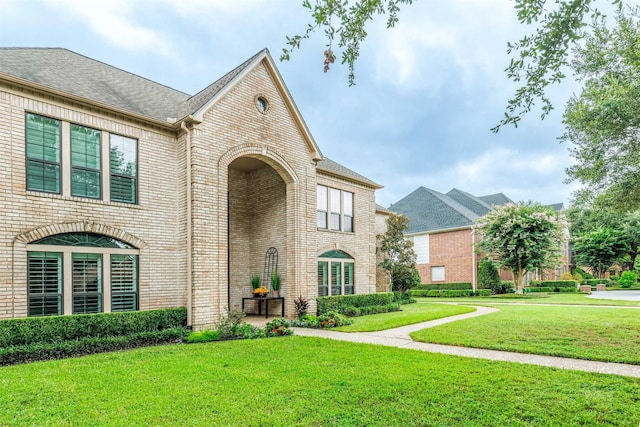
(335, 274)
(77, 273)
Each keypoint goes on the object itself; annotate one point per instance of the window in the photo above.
(43, 153)
(421, 248)
(124, 168)
(85, 162)
(322, 206)
(102, 275)
(44, 283)
(437, 274)
(91, 169)
(335, 209)
(335, 274)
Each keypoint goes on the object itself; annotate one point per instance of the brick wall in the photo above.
(452, 250)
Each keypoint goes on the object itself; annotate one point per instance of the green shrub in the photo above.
(375, 309)
(567, 290)
(278, 328)
(488, 275)
(594, 282)
(54, 329)
(301, 305)
(443, 293)
(482, 293)
(628, 279)
(453, 286)
(203, 336)
(91, 345)
(553, 284)
(538, 289)
(306, 321)
(581, 273)
(332, 319)
(339, 302)
(402, 298)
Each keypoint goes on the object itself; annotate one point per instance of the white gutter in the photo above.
(474, 285)
(189, 228)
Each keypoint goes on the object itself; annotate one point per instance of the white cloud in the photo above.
(114, 21)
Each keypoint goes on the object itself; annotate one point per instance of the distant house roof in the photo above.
(382, 209)
(557, 207)
(429, 210)
(473, 203)
(497, 199)
(329, 167)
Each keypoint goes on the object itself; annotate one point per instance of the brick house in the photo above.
(119, 193)
(442, 229)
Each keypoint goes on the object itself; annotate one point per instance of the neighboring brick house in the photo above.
(442, 229)
(119, 193)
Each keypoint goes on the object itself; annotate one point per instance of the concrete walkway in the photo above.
(399, 337)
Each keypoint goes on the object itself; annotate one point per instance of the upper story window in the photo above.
(335, 209)
(43, 152)
(86, 162)
(124, 168)
(70, 159)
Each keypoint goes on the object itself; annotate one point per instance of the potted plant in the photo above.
(255, 280)
(275, 283)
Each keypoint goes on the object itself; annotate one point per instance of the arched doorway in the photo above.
(257, 220)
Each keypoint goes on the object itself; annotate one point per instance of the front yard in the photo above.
(306, 381)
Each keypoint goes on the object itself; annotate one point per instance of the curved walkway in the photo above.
(399, 337)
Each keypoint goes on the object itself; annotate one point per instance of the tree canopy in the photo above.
(603, 121)
(399, 258)
(522, 237)
(600, 249)
(537, 60)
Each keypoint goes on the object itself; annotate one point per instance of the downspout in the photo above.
(474, 286)
(189, 228)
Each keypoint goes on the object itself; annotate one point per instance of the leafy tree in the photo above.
(537, 59)
(602, 122)
(522, 237)
(399, 259)
(489, 276)
(600, 249)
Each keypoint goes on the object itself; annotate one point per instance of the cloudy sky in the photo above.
(426, 94)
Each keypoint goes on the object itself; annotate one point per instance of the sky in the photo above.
(427, 92)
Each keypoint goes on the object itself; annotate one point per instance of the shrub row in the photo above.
(594, 282)
(91, 345)
(553, 283)
(451, 293)
(330, 319)
(340, 302)
(402, 298)
(453, 286)
(56, 329)
(539, 289)
(370, 309)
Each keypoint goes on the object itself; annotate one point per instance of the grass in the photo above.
(553, 298)
(308, 382)
(604, 334)
(410, 314)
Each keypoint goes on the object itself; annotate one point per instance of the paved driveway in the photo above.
(625, 295)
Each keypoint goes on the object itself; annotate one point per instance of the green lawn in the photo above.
(410, 314)
(554, 298)
(309, 382)
(605, 334)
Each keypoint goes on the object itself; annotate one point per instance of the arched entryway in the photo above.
(257, 221)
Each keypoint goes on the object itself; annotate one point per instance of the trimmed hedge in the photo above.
(60, 350)
(339, 302)
(594, 282)
(538, 289)
(453, 286)
(450, 293)
(56, 337)
(55, 329)
(553, 283)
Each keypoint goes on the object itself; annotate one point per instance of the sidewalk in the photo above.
(399, 337)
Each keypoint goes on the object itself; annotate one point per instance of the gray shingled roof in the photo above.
(497, 199)
(333, 168)
(557, 207)
(77, 75)
(471, 202)
(429, 210)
